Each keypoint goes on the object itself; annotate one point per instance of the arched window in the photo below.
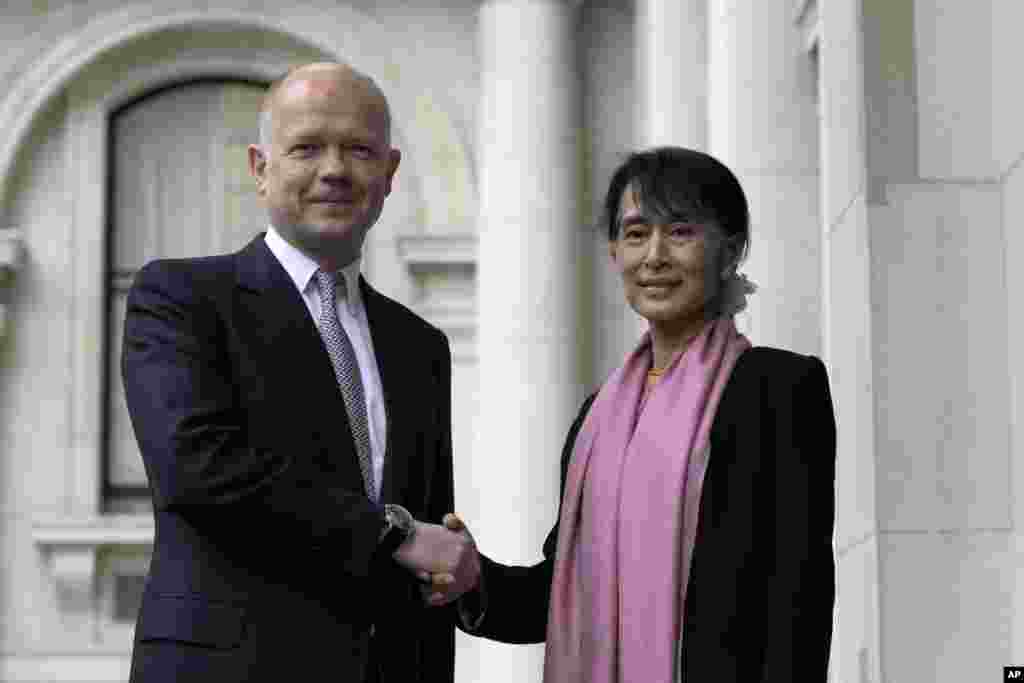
(178, 186)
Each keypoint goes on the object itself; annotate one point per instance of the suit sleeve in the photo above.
(190, 426)
(801, 589)
(518, 596)
(437, 632)
(441, 488)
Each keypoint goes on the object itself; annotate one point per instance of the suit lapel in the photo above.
(391, 366)
(286, 347)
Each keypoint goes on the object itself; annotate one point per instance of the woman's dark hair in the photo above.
(678, 184)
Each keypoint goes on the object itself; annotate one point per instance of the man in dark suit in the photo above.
(295, 425)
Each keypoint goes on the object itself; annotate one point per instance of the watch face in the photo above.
(401, 519)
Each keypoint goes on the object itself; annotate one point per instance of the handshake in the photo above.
(443, 557)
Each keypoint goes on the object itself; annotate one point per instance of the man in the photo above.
(293, 423)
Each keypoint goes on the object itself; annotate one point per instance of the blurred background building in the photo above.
(880, 142)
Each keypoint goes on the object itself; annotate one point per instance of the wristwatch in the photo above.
(399, 527)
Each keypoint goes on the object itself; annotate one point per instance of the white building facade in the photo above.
(880, 144)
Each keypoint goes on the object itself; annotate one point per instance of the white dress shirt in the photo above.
(352, 314)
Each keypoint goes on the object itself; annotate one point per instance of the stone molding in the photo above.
(426, 251)
(72, 545)
(93, 667)
(444, 268)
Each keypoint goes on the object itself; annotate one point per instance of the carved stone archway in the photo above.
(437, 150)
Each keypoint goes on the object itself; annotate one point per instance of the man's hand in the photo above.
(443, 557)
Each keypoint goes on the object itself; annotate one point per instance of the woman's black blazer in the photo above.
(759, 603)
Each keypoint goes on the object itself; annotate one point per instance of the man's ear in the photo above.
(258, 167)
(613, 251)
(395, 157)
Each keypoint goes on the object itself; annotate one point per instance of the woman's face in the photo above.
(670, 271)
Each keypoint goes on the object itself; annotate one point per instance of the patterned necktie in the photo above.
(346, 371)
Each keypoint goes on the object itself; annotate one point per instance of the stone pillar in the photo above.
(670, 38)
(528, 283)
(763, 124)
(671, 73)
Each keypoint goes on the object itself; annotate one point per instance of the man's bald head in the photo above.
(325, 164)
(317, 76)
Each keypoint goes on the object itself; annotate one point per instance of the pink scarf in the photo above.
(629, 516)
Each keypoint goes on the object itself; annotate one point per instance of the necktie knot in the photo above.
(329, 284)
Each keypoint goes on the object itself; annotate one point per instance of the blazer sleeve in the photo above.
(191, 430)
(801, 586)
(518, 596)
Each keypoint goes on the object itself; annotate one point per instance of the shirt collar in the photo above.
(301, 268)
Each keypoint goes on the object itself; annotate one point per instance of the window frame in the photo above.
(111, 495)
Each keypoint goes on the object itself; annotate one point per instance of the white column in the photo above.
(671, 72)
(528, 306)
(670, 39)
(763, 123)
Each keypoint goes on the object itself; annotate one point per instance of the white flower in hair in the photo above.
(733, 296)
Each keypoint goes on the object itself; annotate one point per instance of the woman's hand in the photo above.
(441, 588)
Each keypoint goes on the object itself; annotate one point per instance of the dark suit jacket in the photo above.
(759, 603)
(264, 562)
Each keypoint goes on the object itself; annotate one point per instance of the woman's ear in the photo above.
(730, 256)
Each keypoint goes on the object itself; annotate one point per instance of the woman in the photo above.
(694, 539)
